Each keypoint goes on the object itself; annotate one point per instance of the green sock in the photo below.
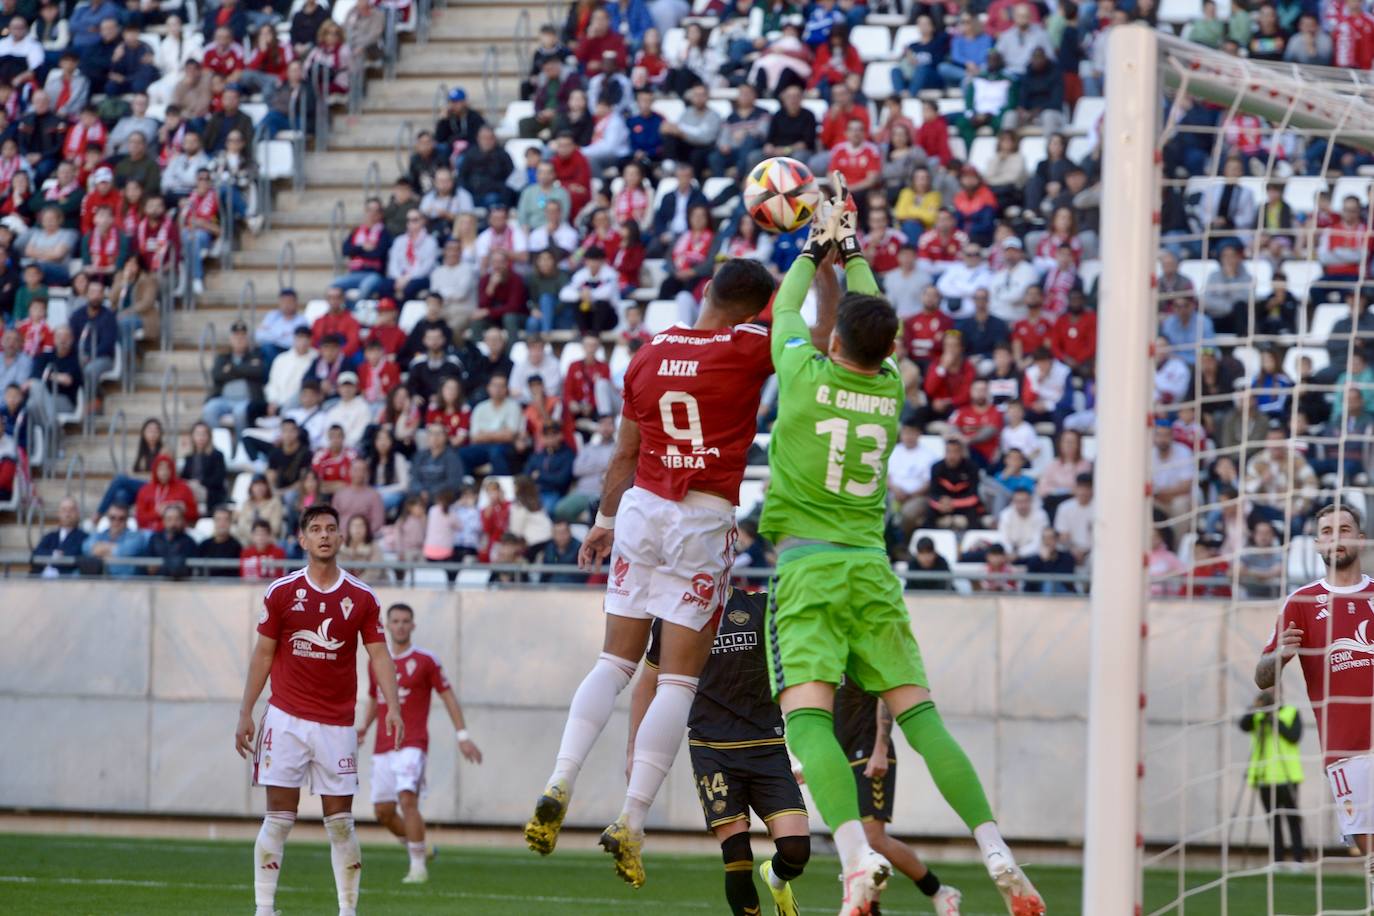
(948, 764)
(811, 735)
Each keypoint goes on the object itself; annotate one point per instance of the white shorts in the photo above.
(1352, 786)
(397, 771)
(294, 752)
(671, 560)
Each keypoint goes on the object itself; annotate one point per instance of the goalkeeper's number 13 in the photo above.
(837, 428)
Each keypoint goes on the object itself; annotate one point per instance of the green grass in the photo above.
(96, 875)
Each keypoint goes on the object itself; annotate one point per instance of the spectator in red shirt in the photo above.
(102, 194)
(573, 171)
(948, 383)
(224, 56)
(941, 245)
(857, 159)
(1074, 338)
(1352, 36)
(1032, 332)
(836, 61)
(378, 373)
(836, 125)
(881, 243)
(338, 320)
(924, 332)
(333, 462)
(385, 330)
(586, 390)
(933, 134)
(599, 39)
(980, 423)
(262, 558)
(502, 299)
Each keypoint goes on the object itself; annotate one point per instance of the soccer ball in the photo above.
(781, 194)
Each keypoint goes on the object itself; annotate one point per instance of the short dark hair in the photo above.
(867, 326)
(401, 606)
(742, 288)
(314, 512)
(1330, 509)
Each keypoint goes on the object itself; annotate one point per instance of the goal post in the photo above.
(1173, 644)
(1126, 313)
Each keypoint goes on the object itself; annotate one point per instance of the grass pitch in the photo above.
(72, 875)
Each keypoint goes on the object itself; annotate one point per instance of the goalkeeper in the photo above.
(836, 608)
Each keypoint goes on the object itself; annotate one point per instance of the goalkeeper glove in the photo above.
(821, 236)
(844, 231)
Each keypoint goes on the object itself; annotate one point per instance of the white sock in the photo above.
(990, 840)
(417, 855)
(656, 745)
(589, 712)
(347, 860)
(267, 854)
(774, 881)
(851, 843)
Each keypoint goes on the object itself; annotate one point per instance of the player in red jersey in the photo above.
(398, 766)
(316, 615)
(691, 399)
(1326, 625)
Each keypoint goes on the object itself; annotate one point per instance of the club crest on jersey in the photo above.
(410, 667)
(622, 569)
(346, 606)
(300, 600)
(738, 618)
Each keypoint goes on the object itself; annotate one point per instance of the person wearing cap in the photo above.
(276, 332)
(959, 280)
(385, 329)
(485, 168)
(378, 373)
(68, 86)
(594, 291)
(288, 370)
(1007, 289)
(338, 320)
(412, 257)
(101, 193)
(458, 128)
(237, 377)
(350, 411)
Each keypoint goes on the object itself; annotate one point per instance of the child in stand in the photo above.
(438, 546)
(495, 517)
(262, 559)
(467, 523)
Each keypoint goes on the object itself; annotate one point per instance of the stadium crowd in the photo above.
(456, 396)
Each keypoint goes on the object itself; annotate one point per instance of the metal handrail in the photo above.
(437, 103)
(34, 511)
(357, 83)
(390, 42)
(129, 347)
(286, 266)
(524, 35)
(89, 380)
(264, 169)
(118, 429)
(372, 180)
(490, 85)
(552, 10)
(423, 16)
(37, 433)
(166, 283)
(319, 80)
(337, 217)
(300, 126)
(188, 299)
(172, 417)
(248, 302)
(405, 140)
(207, 333)
(77, 463)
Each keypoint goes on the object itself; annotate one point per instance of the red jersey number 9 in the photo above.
(691, 434)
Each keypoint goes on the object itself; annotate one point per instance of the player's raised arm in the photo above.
(471, 752)
(1272, 662)
(828, 295)
(258, 668)
(384, 669)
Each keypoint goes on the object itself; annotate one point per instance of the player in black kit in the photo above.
(739, 757)
(862, 724)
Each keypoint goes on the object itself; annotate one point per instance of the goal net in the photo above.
(1236, 219)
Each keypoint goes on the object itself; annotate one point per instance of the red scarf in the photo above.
(64, 95)
(8, 168)
(155, 242)
(79, 137)
(128, 219)
(104, 250)
(365, 236)
(205, 206)
(174, 145)
(62, 192)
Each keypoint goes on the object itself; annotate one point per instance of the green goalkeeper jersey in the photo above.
(834, 432)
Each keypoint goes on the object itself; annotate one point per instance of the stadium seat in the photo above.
(951, 106)
(1179, 12)
(873, 42)
(1086, 113)
(906, 36)
(1320, 360)
(1044, 456)
(769, 105)
(1350, 187)
(1088, 272)
(1080, 148)
(204, 528)
(1034, 151)
(425, 577)
(519, 352)
(1300, 192)
(982, 152)
(722, 107)
(912, 109)
(653, 273)
(674, 44)
(74, 415)
(1089, 444)
(276, 158)
(660, 315)
(58, 310)
(717, 184)
(964, 574)
(877, 84)
(411, 313)
(1249, 358)
(1304, 564)
(223, 441)
(572, 352)
(670, 109)
(510, 121)
(256, 111)
(1301, 275)
(1197, 270)
(1324, 319)
(619, 361)
(750, 495)
(946, 543)
(516, 146)
(665, 187)
(473, 578)
(975, 537)
(507, 487)
(316, 309)
(238, 493)
(1186, 542)
(1263, 272)
(817, 107)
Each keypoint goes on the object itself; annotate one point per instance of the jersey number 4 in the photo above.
(837, 428)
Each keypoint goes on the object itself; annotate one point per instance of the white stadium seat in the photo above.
(877, 84)
(1301, 275)
(411, 313)
(872, 42)
(946, 543)
(1324, 319)
(510, 122)
(516, 146)
(1300, 192)
(1179, 12)
(1320, 359)
(1350, 187)
(660, 315)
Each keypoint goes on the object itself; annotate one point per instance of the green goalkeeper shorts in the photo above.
(834, 611)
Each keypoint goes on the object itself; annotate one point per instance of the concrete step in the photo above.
(494, 20)
(309, 281)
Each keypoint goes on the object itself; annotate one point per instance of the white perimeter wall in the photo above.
(123, 698)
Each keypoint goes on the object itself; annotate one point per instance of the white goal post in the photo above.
(1300, 115)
